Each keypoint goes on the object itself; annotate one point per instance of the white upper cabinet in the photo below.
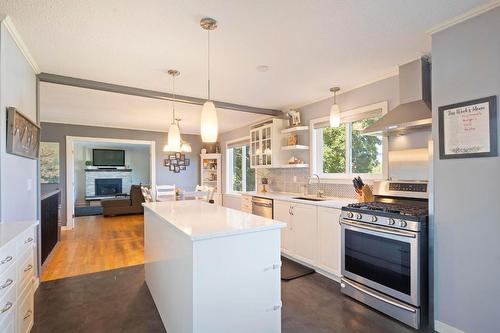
(265, 148)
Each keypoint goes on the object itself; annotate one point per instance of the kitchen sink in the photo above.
(309, 199)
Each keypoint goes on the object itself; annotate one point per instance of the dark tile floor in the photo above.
(119, 301)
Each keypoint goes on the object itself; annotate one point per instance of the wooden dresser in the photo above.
(17, 276)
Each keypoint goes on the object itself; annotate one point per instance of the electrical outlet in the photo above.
(294, 179)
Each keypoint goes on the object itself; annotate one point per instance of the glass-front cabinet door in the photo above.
(260, 146)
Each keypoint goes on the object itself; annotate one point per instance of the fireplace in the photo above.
(108, 186)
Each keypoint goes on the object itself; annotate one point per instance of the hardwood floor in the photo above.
(97, 244)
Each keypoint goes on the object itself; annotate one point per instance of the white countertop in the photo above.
(10, 230)
(328, 202)
(200, 220)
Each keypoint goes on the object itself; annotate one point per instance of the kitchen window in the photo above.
(240, 176)
(343, 152)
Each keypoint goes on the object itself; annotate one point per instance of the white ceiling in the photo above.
(308, 45)
(70, 105)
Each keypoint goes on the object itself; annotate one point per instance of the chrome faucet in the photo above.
(319, 192)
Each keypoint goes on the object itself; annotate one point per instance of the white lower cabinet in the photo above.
(312, 234)
(305, 230)
(17, 273)
(299, 237)
(329, 239)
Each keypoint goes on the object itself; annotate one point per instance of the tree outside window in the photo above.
(242, 177)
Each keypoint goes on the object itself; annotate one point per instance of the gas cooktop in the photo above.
(394, 208)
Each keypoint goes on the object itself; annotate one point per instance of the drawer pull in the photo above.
(29, 267)
(6, 307)
(29, 240)
(274, 266)
(6, 260)
(6, 284)
(28, 314)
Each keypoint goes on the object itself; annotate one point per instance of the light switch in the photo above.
(294, 179)
(29, 184)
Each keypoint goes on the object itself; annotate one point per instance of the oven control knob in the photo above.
(350, 215)
(403, 224)
(391, 221)
(358, 216)
(374, 218)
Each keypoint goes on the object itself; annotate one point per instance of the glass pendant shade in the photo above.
(209, 122)
(334, 116)
(186, 147)
(166, 148)
(174, 137)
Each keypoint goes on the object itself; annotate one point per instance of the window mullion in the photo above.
(244, 168)
(348, 159)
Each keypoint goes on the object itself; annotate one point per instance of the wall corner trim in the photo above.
(445, 328)
(20, 43)
(464, 17)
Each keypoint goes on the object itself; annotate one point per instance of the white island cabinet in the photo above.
(211, 268)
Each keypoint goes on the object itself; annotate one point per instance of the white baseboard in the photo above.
(445, 328)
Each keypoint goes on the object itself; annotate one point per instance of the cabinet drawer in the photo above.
(25, 311)
(246, 207)
(7, 304)
(7, 256)
(25, 271)
(8, 324)
(8, 281)
(25, 241)
(246, 199)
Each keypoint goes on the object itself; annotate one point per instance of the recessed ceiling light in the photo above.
(262, 68)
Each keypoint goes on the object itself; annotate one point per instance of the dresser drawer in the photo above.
(25, 271)
(25, 311)
(25, 241)
(7, 256)
(8, 281)
(7, 304)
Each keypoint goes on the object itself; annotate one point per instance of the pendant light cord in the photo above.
(208, 64)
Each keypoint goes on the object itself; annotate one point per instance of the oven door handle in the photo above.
(380, 298)
(380, 229)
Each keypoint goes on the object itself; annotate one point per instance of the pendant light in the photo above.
(174, 134)
(209, 123)
(335, 109)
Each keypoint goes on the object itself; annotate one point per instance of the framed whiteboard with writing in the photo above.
(468, 129)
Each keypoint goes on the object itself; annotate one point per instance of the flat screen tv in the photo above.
(108, 157)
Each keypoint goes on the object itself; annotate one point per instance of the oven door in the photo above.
(384, 259)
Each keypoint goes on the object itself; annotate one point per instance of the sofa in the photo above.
(124, 206)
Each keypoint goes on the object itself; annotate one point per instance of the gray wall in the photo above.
(383, 90)
(466, 65)
(188, 179)
(18, 178)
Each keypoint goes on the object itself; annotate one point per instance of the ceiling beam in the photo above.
(119, 89)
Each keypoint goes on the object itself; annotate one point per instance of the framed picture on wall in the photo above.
(166, 162)
(171, 157)
(468, 129)
(178, 156)
(183, 157)
(23, 135)
(182, 167)
(181, 162)
(172, 167)
(177, 169)
(186, 162)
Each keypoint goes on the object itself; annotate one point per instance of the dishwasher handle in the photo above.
(257, 203)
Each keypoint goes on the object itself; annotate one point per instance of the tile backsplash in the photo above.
(294, 181)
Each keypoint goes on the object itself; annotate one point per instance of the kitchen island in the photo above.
(211, 268)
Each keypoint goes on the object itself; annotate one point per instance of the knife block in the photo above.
(366, 194)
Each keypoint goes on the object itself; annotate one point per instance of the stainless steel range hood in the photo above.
(414, 111)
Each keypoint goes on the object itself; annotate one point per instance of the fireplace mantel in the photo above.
(108, 170)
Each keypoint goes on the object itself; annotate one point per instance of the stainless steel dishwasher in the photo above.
(262, 207)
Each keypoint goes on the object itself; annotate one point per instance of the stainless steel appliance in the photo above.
(262, 207)
(384, 251)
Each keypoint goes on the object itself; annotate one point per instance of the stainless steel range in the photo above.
(385, 251)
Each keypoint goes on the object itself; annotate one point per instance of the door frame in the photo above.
(70, 169)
